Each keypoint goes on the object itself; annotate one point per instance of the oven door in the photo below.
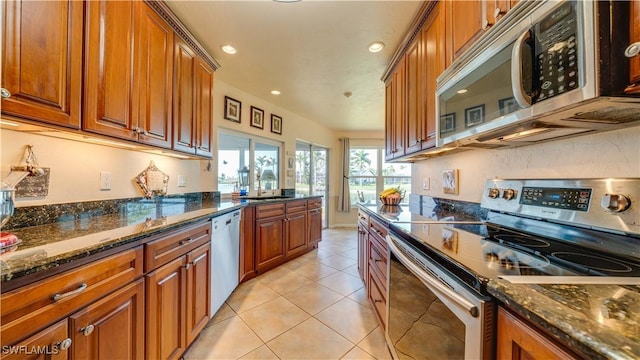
(430, 314)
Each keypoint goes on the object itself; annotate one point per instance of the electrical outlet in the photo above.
(426, 184)
(182, 181)
(105, 180)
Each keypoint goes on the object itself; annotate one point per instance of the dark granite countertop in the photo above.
(48, 246)
(599, 321)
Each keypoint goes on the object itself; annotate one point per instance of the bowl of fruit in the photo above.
(392, 196)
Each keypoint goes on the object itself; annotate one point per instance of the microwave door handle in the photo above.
(519, 93)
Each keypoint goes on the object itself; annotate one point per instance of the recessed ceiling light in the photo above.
(376, 46)
(229, 49)
(462, 91)
(275, 92)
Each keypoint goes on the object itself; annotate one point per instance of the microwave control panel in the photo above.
(556, 52)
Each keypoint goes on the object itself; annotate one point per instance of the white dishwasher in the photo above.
(225, 258)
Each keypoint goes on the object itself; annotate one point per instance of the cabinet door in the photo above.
(111, 328)
(109, 67)
(296, 233)
(53, 341)
(395, 124)
(634, 71)
(204, 109)
(270, 247)
(42, 60)
(388, 120)
(433, 64)
(184, 111)
(247, 244)
(414, 93)
(198, 290)
(465, 20)
(363, 239)
(153, 77)
(166, 310)
(519, 341)
(496, 9)
(315, 227)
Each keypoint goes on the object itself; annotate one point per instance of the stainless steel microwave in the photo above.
(548, 69)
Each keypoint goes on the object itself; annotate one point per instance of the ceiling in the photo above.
(313, 52)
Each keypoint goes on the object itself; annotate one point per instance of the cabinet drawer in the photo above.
(378, 299)
(30, 308)
(315, 203)
(271, 210)
(296, 206)
(363, 218)
(378, 261)
(169, 247)
(378, 231)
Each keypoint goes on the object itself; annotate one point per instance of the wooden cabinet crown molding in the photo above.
(414, 31)
(165, 12)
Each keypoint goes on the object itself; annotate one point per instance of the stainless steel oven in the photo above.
(431, 314)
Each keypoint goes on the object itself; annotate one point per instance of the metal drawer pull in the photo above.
(184, 242)
(64, 344)
(187, 266)
(632, 50)
(87, 330)
(82, 287)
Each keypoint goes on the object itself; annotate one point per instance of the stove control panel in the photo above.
(570, 201)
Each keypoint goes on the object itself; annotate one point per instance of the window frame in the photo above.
(379, 177)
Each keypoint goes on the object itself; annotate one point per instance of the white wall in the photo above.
(609, 154)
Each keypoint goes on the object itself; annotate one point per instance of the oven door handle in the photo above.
(428, 280)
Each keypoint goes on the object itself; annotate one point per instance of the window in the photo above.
(369, 175)
(238, 153)
(311, 173)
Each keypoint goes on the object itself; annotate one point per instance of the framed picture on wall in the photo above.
(257, 117)
(232, 109)
(276, 124)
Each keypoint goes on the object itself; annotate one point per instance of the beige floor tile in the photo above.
(225, 312)
(375, 344)
(313, 298)
(249, 295)
(342, 283)
(338, 261)
(296, 263)
(228, 339)
(315, 271)
(321, 254)
(361, 297)
(273, 318)
(273, 274)
(310, 340)
(352, 270)
(261, 353)
(349, 319)
(358, 354)
(287, 282)
(351, 254)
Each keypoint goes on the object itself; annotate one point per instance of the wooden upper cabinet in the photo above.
(124, 38)
(184, 97)
(464, 25)
(395, 113)
(414, 93)
(388, 120)
(433, 50)
(42, 60)
(204, 109)
(634, 71)
(153, 77)
(496, 9)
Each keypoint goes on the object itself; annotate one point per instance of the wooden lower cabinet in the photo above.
(296, 236)
(177, 304)
(111, 328)
(51, 343)
(518, 340)
(270, 246)
(315, 227)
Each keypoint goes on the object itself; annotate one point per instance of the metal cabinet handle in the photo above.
(632, 50)
(64, 344)
(184, 242)
(87, 330)
(486, 24)
(82, 287)
(497, 12)
(4, 93)
(187, 266)
(523, 99)
(197, 260)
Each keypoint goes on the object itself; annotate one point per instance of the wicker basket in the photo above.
(390, 201)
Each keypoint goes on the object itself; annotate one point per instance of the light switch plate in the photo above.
(182, 181)
(105, 180)
(426, 184)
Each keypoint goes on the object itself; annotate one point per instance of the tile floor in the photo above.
(313, 307)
